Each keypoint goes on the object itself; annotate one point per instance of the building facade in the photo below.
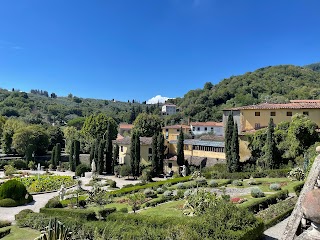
(215, 128)
(172, 132)
(169, 109)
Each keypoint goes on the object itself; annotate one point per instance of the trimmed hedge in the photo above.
(106, 211)
(272, 173)
(8, 202)
(137, 188)
(16, 191)
(54, 203)
(4, 223)
(263, 203)
(5, 232)
(85, 214)
(22, 214)
(297, 189)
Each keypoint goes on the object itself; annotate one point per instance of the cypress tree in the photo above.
(155, 155)
(132, 153)
(100, 159)
(228, 140)
(270, 146)
(58, 154)
(160, 152)
(180, 147)
(235, 158)
(76, 153)
(71, 158)
(115, 154)
(109, 161)
(137, 156)
(96, 150)
(53, 157)
(91, 152)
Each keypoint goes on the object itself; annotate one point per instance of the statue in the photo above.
(93, 166)
(62, 192)
(184, 170)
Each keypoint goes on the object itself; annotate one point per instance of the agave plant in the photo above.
(55, 231)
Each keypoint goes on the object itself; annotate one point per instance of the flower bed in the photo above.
(45, 183)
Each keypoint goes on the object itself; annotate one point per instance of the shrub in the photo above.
(4, 232)
(167, 193)
(81, 169)
(213, 183)
(160, 190)
(180, 185)
(168, 184)
(275, 186)
(125, 170)
(8, 202)
(296, 174)
(54, 203)
(123, 210)
(146, 175)
(106, 211)
(148, 192)
(16, 191)
(257, 193)
(128, 185)
(9, 170)
(18, 164)
(83, 214)
(22, 214)
(201, 181)
(31, 165)
(82, 203)
(188, 192)
(179, 194)
(112, 184)
(253, 182)
(4, 223)
(237, 183)
(297, 188)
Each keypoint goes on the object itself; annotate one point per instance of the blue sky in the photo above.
(137, 49)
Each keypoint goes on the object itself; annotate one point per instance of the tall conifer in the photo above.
(228, 139)
(155, 160)
(160, 152)
(270, 149)
(235, 158)
(180, 147)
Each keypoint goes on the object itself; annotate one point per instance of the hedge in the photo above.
(4, 223)
(4, 232)
(85, 214)
(297, 188)
(272, 173)
(260, 204)
(137, 188)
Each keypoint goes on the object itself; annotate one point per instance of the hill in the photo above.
(277, 84)
(314, 67)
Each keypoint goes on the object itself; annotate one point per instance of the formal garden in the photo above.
(211, 204)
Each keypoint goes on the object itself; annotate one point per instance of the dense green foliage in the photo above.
(14, 193)
(147, 125)
(180, 149)
(135, 154)
(81, 169)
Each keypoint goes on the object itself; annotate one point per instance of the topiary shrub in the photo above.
(212, 183)
(167, 193)
(148, 192)
(8, 202)
(54, 203)
(22, 214)
(123, 210)
(180, 185)
(16, 191)
(188, 192)
(9, 170)
(237, 183)
(201, 181)
(275, 186)
(18, 164)
(160, 190)
(257, 193)
(253, 182)
(81, 169)
(112, 184)
(4, 223)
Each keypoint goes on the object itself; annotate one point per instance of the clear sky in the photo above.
(137, 49)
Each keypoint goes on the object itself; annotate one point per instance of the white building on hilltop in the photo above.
(215, 128)
(169, 109)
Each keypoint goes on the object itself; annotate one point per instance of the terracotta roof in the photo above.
(119, 137)
(127, 141)
(295, 104)
(213, 124)
(176, 126)
(125, 126)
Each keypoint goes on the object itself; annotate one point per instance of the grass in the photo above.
(170, 209)
(21, 233)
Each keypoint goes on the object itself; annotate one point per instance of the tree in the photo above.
(228, 140)
(33, 134)
(55, 136)
(100, 160)
(58, 154)
(115, 154)
(180, 147)
(71, 158)
(135, 154)
(91, 157)
(135, 200)
(160, 152)
(235, 158)
(270, 148)
(132, 115)
(155, 155)
(53, 157)
(147, 125)
(7, 141)
(109, 161)
(76, 147)
(71, 134)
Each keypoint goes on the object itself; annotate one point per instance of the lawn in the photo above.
(21, 233)
(169, 209)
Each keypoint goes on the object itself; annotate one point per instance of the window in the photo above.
(178, 129)
(205, 128)
(167, 129)
(289, 113)
(306, 113)
(273, 114)
(257, 114)
(211, 129)
(198, 128)
(167, 137)
(150, 150)
(257, 126)
(149, 158)
(170, 165)
(121, 148)
(193, 129)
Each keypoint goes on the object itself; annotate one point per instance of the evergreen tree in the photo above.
(132, 115)
(58, 154)
(270, 148)
(96, 150)
(71, 158)
(115, 154)
(100, 159)
(228, 140)
(109, 161)
(91, 152)
(132, 153)
(160, 152)
(155, 155)
(235, 157)
(180, 147)
(53, 156)
(76, 144)
(135, 154)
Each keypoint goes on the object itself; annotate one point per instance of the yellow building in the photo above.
(145, 150)
(172, 132)
(254, 117)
